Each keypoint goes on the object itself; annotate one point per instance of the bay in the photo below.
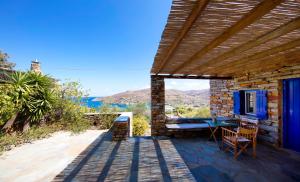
(91, 102)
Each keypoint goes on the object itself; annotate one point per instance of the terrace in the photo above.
(242, 47)
(145, 159)
(163, 159)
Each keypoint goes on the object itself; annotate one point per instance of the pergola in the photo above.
(218, 39)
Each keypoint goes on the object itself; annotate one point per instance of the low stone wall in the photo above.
(102, 120)
(270, 130)
(119, 123)
(122, 127)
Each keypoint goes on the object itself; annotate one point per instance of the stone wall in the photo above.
(120, 129)
(120, 124)
(157, 106)
(100, 120)
(221, 100)
(270, 129)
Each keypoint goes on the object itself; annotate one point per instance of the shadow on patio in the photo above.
(163, 159)
(136, 159)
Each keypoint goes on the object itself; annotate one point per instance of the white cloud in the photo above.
(186, 84)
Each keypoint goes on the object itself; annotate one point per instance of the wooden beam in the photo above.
(267, 64)
(256, 13)
(194, 77)
(199, 7)
(282, 30)
(241, 62)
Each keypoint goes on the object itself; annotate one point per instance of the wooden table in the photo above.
(214, 126)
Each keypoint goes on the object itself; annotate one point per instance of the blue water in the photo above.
(89, 102)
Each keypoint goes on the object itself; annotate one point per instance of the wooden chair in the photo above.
(245, 122)
(240, 140)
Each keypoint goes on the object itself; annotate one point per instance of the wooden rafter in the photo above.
(200, 6)
(282, 30)
(256, 13)
(241, 62)
(194, 77)
(266, 64)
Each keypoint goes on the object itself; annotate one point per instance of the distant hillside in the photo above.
(173, 97)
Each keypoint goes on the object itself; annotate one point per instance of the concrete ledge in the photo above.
(187, 126)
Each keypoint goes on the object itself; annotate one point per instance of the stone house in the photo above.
(250, 52)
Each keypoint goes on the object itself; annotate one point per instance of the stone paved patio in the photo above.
(163, 159)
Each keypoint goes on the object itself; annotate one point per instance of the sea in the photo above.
(92, 103)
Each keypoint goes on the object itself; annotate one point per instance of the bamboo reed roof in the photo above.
(229, 37)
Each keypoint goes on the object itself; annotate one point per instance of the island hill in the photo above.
(193, 98)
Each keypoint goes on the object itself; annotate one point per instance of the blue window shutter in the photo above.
(242, 102)
(236, 102)
(261, 104)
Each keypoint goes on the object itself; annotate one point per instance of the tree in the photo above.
(67, 108)
(139, 109)
(4, 63)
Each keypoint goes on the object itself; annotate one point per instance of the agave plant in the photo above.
(20, 91)
(21, 87)
(32, 95)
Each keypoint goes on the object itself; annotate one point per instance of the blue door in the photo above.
(291, 114)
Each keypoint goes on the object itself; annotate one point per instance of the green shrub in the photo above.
(107, 116)
(72, 118)
(203, 112)
(67, 111)
(140, 125)
(181, 109)
(137, 109)
(106, 120)
(40, 106)
(7, 107)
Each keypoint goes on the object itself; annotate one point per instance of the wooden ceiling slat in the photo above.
(282, 30)
(257, 12)
(267, 64)
(194, 77)
(186, 27)
(229, 38)
(240, 63)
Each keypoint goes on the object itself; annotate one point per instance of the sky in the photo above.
(107, 45)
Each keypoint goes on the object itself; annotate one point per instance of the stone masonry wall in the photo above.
(120, 130)
(157, 106)
(221, 100)
(270, 129)
(101, 120)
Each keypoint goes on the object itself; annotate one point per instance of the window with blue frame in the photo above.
(251, 102)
